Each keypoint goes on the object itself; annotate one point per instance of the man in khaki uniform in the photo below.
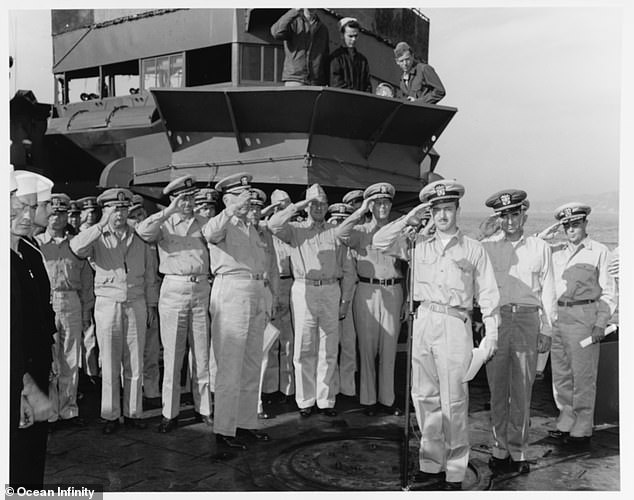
(451, 270)
(378, 300)
(241, 264)
(126, 296)
(183, 304)
(317, 258)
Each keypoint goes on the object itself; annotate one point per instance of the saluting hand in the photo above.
(172, 208)
(489, 226)
(550, 232)
(105, 216)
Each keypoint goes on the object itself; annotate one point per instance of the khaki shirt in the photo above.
(316, 252)
(524, 274)
(370, 261)
(123, 266)
(65, 270)
(451, 276)
(182, 249)
(581, 273)
(236, 246)
(283, 257)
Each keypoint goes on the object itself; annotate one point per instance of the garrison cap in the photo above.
(60, 202)
(279, 195)
(88, 203)
(441, 191)
(74, 207)
(572, 211)
(207, 195)
(316, 192)
(401, 48)
(345, 21)
(235, 183)
(507, 199)
(115, 197)
(183, 185)
(352, 196)
(258, 197)
(380, 190)
(31, 183)
(137, 202)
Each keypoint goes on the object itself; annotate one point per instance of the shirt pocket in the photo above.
(459, 275)
(425, 266)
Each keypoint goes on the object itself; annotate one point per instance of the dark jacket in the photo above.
(349, 69)
(423, 84)
(305, 48)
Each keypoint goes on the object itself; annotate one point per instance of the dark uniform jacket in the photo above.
(423, 84)
(349, 69)
(305, 48)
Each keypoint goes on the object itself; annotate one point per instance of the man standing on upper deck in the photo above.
(184, 300)
(524, 274)
(451, 270)
(378, 300)
(317, 259)
(419, 81)
(241, 264)
(586, 300)
(306, 47)
(349, 68)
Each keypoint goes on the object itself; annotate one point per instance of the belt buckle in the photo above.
(514, 308)
(318, 282)
(193, 279)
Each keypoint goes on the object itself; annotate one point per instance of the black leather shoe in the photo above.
(111, 426)
(151, 403)
(451, 486)
(71, 422)
(390, 410)
(329, 412)
(577, 441)
(135, 423)
(252, 434)
(167, 425)
(306, 412)
(521, 466)
(369, 410)
(428, 477)
(205, 419)
(500, 465)
(265, 416)
(557, 434)
(230, 442)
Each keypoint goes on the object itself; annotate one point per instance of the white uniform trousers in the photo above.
(238, 310)
(347, 365)
(66, 355)
(271, 338)
(90, 352)
(120, 330)
(184, 313)
(441, 352)
(511, 373)
(151, 354)
(315, 317)
(377, 312)
(574, 369)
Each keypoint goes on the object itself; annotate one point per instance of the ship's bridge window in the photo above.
(163, 71)
(261, 63)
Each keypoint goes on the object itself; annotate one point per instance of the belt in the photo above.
(62, 292)
(326, 281)
(242, 276)
(570, 303)
(384, 282)
(519, 308)
(456, 312)
(285, 277)
(194, 278)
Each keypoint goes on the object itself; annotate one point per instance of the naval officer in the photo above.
(451, 270)
(528, 306)
(184, 300)
(125, 298)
